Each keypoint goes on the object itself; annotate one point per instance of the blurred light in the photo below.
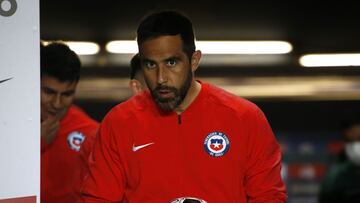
(215, 60)
(84, 48)
(80, 48)
(244, 47)
(122, 47)
(319, 60)
(214, 47)
(308, 88)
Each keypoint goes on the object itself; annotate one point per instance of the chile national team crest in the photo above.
(75, 139)
(216, 144)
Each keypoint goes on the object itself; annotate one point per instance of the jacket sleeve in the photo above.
(263, 182)
(105, 181)
(90, 131)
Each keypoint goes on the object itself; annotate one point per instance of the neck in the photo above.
(191, 95)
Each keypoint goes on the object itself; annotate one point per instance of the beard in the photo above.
(171, 103)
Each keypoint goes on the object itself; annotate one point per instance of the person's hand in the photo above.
(49, 128)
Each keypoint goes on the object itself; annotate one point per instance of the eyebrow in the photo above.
(48, 89)
(147, 60)
(55, 91)
(69, 92)
(174, 58)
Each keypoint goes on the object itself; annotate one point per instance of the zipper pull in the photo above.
(179, 118)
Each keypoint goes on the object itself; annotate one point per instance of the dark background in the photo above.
(311, 27)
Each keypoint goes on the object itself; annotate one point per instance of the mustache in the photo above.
(168, 88)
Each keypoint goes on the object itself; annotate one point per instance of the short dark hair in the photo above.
(135, 66)
(59, 61)
(168, 23)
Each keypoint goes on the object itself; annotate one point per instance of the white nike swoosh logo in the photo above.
(135, 148)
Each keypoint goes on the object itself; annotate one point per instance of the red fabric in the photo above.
(177, 163)
(63, 168)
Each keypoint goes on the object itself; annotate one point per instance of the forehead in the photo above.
(56, 85)
(162, 47)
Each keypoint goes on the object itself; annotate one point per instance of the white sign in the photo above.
(19, 100)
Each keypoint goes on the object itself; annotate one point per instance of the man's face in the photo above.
(353, 133)
(56, 97)
(167, 70)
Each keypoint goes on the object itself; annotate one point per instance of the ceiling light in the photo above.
(122, 47)
(80, 48)
(84, 48)
(214, 47)
(320, 60)
(244, 47)
(263, 87)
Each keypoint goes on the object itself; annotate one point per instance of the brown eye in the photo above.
(68, 94)
(171, 63)
(48, 91)
(150, 65)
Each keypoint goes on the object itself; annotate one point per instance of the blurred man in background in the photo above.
(67, 133)
(137, 82)
(342, 182)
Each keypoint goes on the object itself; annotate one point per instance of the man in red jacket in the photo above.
(67, 133)
(137, 81)
(183, 140)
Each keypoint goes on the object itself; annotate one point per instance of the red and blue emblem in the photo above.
(216, 144)
(75, 139)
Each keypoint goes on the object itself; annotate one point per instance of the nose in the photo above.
(162, 75)
(57, 102)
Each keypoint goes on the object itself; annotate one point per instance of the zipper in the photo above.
(179, 119)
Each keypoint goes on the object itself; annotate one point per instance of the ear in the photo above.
(135, 86)
(195, 60)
